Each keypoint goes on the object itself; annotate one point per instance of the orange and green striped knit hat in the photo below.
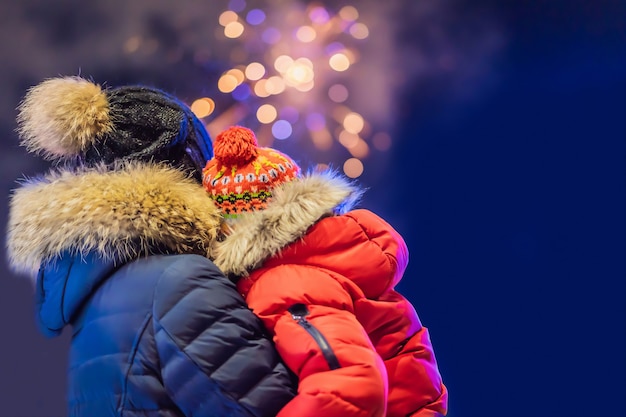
(241, 175)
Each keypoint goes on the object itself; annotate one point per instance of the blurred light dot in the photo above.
(282, 63)
(237, 5)
(339, 113)
(353, 122)
(227, 17)
(349, 13)
(237, 73)
(241, 92)
(233, 30)
(381, 141)
(353, 168)
(360, 149)
(260, 90)
(275, 85)
(315, 121)
(306, 34)
(308, 86)
(334, 47)
(322, 139)
(318, 15)
(348, 139)
(281, 129)
(266, 113)
(351, 55)
(290, 114)
(299, 73)
(304, 61)
(271, 35)
(202, 107)
(338, 93)
(359, 31)
(255, 71)
(255, 16)
(132, 44)
(339, 62)
(227, 83)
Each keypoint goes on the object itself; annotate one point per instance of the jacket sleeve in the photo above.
(339, 372)
(215, 356)
(417, 389)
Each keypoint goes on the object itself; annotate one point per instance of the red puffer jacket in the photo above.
(323, 284)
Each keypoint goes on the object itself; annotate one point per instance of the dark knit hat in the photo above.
(241, 176)
(73, 120)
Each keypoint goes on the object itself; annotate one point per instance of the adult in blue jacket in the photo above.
(117, 238)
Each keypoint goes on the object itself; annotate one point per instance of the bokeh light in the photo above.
(233, 30)
(275, 85)
(260, 89)
(338, 93)
(306, 34)
(353, 123)
(255, 71)
(227, 17)
(290, 74)
(266, 113)
(227, 83)
(349, 13)
(238, 74)
(353, 167)
(281, 129)
(359, 31)
(255, 17)
(339, 62)
(203, 107)
(319, 15)
(348, 139)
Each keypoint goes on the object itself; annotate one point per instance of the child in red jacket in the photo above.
(321, 276)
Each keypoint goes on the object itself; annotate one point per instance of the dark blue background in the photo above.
(512, 205)
(513, 209)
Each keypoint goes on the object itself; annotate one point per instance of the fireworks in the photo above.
(289, 79)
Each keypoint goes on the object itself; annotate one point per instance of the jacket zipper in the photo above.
(299, 313)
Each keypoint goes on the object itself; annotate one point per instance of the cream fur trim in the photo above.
(120, 214)
(295, 206)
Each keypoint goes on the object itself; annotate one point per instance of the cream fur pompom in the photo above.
(61, 117)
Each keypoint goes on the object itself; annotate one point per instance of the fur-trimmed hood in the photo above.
(120, 215)
(294, 208)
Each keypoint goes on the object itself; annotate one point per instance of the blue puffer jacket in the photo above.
(157, 328)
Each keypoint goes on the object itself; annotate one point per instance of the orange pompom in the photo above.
(235, 146)
(241, 176)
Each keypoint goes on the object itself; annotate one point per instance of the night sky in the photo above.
(505, 176)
